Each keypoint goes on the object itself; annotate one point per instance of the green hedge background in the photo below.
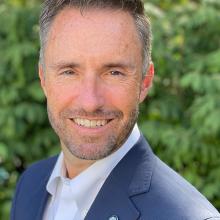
(180, 118)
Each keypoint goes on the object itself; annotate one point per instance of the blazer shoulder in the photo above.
(44, 164)
(31, 189)
(177, 197)
(38, 171)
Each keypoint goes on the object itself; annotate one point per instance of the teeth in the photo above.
(86, 123)
(90, 123)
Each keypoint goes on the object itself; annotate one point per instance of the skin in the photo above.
(92, 70)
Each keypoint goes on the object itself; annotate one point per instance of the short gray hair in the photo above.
(135, 7)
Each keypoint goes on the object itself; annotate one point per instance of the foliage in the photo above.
(25, 134)
(180, 118)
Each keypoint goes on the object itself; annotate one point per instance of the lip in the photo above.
(94, 130)
(91, 118)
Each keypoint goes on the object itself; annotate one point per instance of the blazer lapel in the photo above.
(34, 202)
(39, 197)
(42, 201)
(129, 178)
(112, 201)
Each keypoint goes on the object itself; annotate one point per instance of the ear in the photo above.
(41, 74)
(147, 82)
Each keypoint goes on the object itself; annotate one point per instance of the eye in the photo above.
(116, 73)
(68, 72)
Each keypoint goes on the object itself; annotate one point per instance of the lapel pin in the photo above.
(113, 217)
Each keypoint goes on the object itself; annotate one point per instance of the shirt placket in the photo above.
(67, 207)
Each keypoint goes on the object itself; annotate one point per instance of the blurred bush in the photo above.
(25, 134)
(180, 118)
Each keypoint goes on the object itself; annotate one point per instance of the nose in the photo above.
(91, 96)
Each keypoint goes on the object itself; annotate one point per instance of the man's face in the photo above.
(92, 80)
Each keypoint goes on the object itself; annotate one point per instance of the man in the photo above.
(95, 68)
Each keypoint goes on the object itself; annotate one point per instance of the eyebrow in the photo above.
(63, 65)
(122, 65)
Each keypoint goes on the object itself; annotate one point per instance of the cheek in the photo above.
(59, 96)
(124, 98)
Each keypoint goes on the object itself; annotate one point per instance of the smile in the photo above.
(90, 123)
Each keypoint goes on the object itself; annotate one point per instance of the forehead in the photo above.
(112, 19)
(93, 31)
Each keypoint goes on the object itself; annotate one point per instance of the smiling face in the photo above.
(92, 80)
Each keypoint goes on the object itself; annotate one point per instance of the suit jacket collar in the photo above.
(41, 191)
(132, 176)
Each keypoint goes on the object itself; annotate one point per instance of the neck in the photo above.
(74, 165)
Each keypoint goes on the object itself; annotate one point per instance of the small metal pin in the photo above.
(113, 217)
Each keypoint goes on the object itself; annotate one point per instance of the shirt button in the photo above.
(114, 217)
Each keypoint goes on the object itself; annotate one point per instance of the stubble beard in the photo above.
(92, 151)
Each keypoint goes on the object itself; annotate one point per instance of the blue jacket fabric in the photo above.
(141, 187)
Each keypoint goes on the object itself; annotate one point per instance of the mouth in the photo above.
(91, 123)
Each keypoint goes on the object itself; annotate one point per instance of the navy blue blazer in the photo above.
(141, 187)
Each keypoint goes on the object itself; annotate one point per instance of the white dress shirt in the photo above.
(70, 199)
